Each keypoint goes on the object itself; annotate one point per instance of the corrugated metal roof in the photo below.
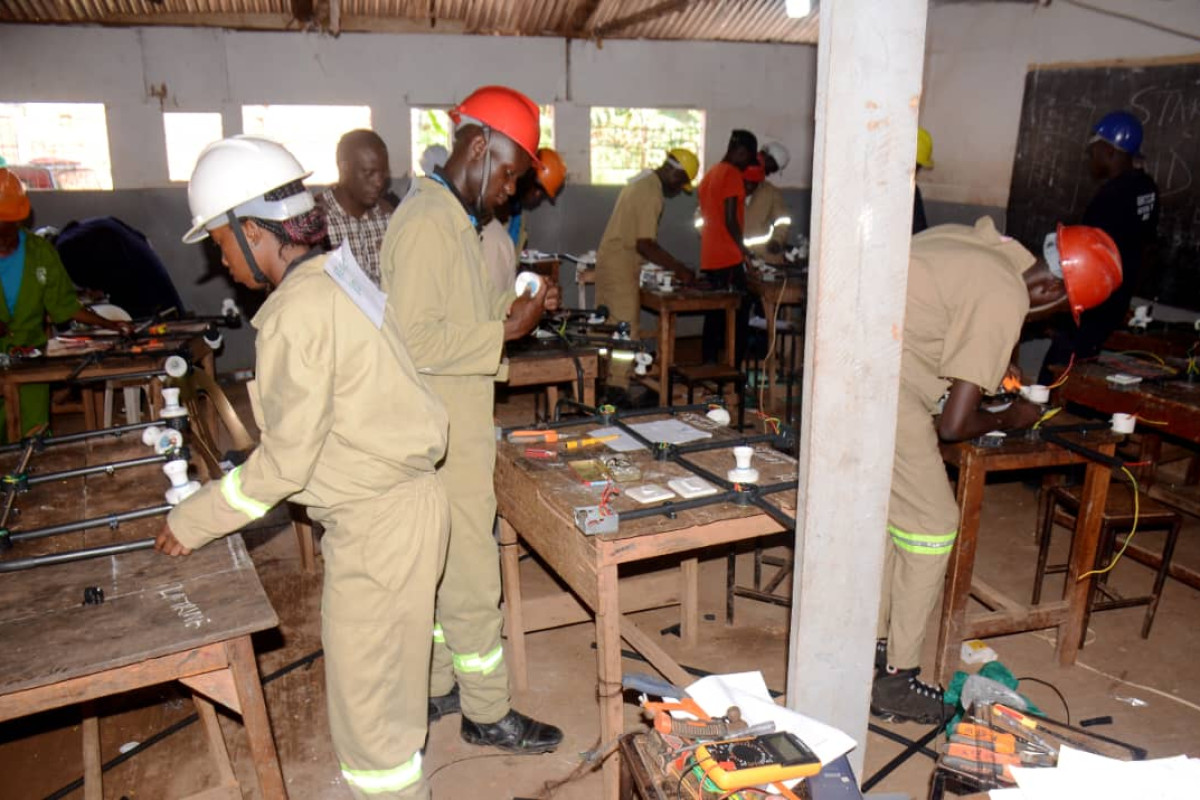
(722, 20)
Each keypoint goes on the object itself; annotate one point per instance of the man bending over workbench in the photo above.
(970, 290)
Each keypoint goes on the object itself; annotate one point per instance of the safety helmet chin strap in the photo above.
(245, 247)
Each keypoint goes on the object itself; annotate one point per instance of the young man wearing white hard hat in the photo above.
(455, 323)
(970, 290)
(768, 219)
(329, 380)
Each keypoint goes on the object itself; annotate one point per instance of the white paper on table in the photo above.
(1083, 774)
(671, 431)
(748, 691)
(1006, 794)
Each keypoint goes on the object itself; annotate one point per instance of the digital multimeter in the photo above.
(751, 762)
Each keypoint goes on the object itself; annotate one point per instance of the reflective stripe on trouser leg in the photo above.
(378, 781)
(918, 575)
(468, 600)
(381, 566)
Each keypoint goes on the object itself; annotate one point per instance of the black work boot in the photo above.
(880, 657)
(515, 733)
(444, 705)
(898, 696)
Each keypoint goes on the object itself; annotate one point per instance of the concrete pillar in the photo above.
(868, 94)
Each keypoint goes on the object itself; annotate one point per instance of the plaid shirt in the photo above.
(365, 233)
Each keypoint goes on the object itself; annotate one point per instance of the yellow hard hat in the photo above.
(687, 160)
(924, 148)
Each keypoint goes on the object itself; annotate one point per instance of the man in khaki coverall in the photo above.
(969, 292)
(453, 321)
(767, 217)
(367, 475)
(631, 238)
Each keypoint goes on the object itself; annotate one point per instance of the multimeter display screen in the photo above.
(788, 749)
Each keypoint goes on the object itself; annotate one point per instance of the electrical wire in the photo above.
(479, 757)
(683, 773)
(1053, 688)
(1063, 377)
(1158, 26)
(1129, 536)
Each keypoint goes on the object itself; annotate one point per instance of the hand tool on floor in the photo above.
(731, 725)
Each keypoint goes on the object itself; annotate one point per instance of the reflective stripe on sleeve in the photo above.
(473, 662)
(378, 781)
(231, 490)
(439, 635)
(922, 543)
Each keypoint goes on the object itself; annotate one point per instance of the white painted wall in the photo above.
(976, 59)
(738, 85)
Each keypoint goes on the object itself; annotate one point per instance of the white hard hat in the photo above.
(778, 152)
(434, 156)
(233, 175)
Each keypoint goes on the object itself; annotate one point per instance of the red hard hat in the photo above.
(14, 203)
(505, 110)
(551, 171)
(1091, 266)
(754, 174)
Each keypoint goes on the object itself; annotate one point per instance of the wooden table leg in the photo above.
(551, 401)
(689, 604)
(608, 656)
(1083, 559)
(771, 309)
(666, 352)
(93, 771)
(254, 718)
(216, 741)
(514, 619)
(971, 476)
(12, 410)
(731, 336)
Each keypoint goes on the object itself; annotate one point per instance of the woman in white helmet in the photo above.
(328, 384)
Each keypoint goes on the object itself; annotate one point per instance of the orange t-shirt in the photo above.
(717, 248)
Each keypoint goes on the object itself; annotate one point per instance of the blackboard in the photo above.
(1050, 178)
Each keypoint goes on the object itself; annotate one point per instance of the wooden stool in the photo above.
(1060, 506)
(716, 374)
(763, 592)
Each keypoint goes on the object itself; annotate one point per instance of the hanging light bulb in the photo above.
(798, 9)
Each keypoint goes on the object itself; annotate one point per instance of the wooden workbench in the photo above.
(1175, 406)
(1008, 615)
(551, 366)
(668, 306)
(162, 620)
(535, 502)
(55, 369)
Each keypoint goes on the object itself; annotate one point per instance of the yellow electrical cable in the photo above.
(771, 347)
(1050, 414)
(1129, 536)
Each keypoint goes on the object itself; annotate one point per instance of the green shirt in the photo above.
(46, 289)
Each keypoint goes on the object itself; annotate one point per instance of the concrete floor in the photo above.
(41, 754)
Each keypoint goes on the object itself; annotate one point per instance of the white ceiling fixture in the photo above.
(798, 9)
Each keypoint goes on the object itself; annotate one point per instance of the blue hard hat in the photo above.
(1120, 129)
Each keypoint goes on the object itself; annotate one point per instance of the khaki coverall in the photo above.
(965, 307)
(764, 208)
(451, 318)
(618, 265)
(350, 430)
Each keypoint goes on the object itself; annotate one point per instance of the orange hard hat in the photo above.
(505, 110)
(551, 171)
(14, 202)
(1091, 266)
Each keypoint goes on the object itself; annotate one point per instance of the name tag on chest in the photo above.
(349, 276)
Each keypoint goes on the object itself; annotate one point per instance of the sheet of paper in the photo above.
(346, 273)
(672, 431)
(748, 691)
(1082, 774)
